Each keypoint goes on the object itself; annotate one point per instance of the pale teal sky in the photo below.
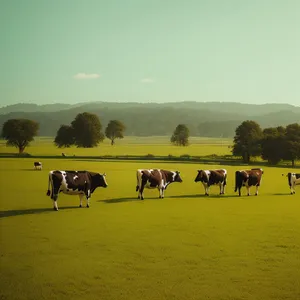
(150, 51)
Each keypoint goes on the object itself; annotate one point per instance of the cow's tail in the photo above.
(237, 179)
(49, 182)
(225, 179)
(289, 176)
(137, 181)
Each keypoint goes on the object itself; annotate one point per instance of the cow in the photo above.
(212, 177)
(293, 180)
(82, 183)
(248, 178)
(37, 165)
(155, 178)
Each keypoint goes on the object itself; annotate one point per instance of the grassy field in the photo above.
(130, 146)
(185, 246)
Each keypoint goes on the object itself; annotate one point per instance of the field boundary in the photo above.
(213, 160)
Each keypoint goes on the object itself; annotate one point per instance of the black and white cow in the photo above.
(37, 165)
(212, 177)
(82, 183)
(155, 178)
(248, 178)
(293, 180)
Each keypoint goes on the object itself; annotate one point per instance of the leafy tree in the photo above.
(64, 137)
(87, 130)
(273, 144)
(114, 130)
(247, 140)
(181, 135)
(19, 132)
(292, 143)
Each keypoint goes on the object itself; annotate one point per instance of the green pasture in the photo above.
(138, 146)
(185, 246)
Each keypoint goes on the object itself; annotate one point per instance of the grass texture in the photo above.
(185, 246)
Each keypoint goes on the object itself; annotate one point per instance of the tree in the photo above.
(87, 130)
(114, 130)
(19, 132)
(181, 135)
(64, 137)
(247, 140)
(273, 144)
(292, 143)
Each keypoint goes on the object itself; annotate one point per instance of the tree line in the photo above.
(151, 119)
(272, 144)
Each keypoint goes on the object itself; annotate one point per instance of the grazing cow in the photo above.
(248, 178)
(155, 178)
(82, 183)
(293, 179)
(37, 165)
(212, 177)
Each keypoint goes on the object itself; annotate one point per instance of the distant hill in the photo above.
(28, 107)
(203, 118)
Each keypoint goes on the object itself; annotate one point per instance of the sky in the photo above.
(70, 51)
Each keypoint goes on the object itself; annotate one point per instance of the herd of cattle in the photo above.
(84, 183)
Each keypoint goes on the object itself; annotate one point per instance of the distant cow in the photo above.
(37, 165)
(248, 178)
(155, 178)
(212, 177)
(82, 183)
(293, 180)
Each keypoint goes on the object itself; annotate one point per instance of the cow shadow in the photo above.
(203, 196)
(127, 199)
(32, 211)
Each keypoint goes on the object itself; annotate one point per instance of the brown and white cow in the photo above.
(212, 177)
(37, 165)
(293, 180)
(82, 183)
(248, 178)
(155, 178)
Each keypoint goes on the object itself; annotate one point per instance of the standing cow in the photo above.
(155, 178)
(293, 180)
(248, 178)
(37, 165)
(82, 183)
(212, 177)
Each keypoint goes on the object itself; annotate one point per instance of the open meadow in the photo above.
(136, 146)
(185, 246)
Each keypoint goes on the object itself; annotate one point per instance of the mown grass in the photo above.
(185, 246)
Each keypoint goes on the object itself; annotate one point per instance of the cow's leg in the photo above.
(293, 188)
(141, 192)
(205, 189)
(161, 192)
(80, 200)
(256, 193)
(54, 198)
(221, 188)
(88, 196)
(248, 190)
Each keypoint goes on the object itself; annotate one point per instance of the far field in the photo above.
(186, 246)
(139, 146)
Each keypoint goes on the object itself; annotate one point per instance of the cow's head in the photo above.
(201, 176)
(176, 177)
(98, 180)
